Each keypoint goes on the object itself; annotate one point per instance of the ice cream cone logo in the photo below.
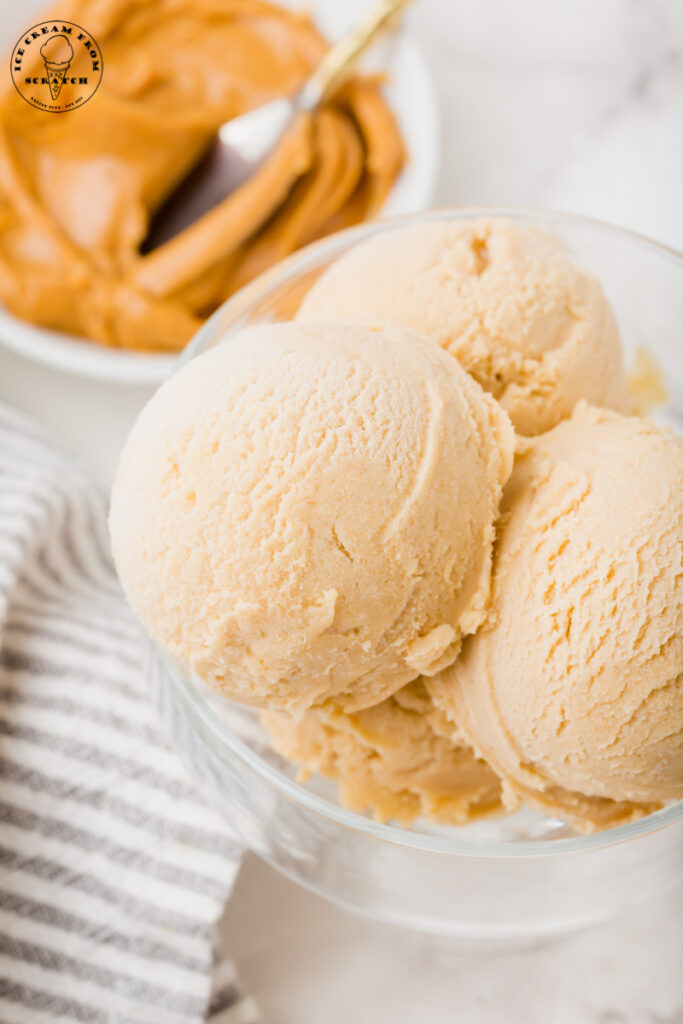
(56, 66)
(57, 54)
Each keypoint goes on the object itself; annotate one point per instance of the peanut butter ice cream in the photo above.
(400, 760)
(78, 190)
(305, 513)
(573, 692)
(534, 329)
(321, 519)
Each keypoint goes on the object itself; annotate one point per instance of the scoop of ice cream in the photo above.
(532, 328)
(574, 690)
(401, 759)
(57, 50)
(307, 512)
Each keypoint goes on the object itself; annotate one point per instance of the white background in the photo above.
(575, 105)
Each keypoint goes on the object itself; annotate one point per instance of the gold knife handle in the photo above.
(338, 61)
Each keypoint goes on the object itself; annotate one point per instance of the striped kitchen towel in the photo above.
(113, 870)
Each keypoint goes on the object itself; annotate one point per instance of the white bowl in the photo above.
(411, 96)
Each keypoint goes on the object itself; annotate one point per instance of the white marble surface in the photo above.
(575, 105)
(308, 963)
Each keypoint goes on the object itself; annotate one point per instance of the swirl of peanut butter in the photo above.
(78, 190)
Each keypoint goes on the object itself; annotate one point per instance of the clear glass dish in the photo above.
(509, 881)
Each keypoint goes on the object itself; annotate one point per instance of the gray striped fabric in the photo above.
(113, 871)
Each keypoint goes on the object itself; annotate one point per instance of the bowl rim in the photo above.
(237, 308)
(306, 258)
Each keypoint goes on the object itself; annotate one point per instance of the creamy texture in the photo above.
(306, 513)
(646, 383)
(77, 190)
(400, 760)
(532, 328)
(574, 690)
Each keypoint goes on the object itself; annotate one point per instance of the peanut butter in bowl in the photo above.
(78, 189)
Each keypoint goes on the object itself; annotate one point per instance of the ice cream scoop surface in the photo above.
(534, 330)
(306, 513)
(401, 759)
(574, 690)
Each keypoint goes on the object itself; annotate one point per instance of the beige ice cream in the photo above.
(574, 690)
(532, 328)
(306, 513)
(401, 759)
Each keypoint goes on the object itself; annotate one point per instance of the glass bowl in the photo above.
(512, 880)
